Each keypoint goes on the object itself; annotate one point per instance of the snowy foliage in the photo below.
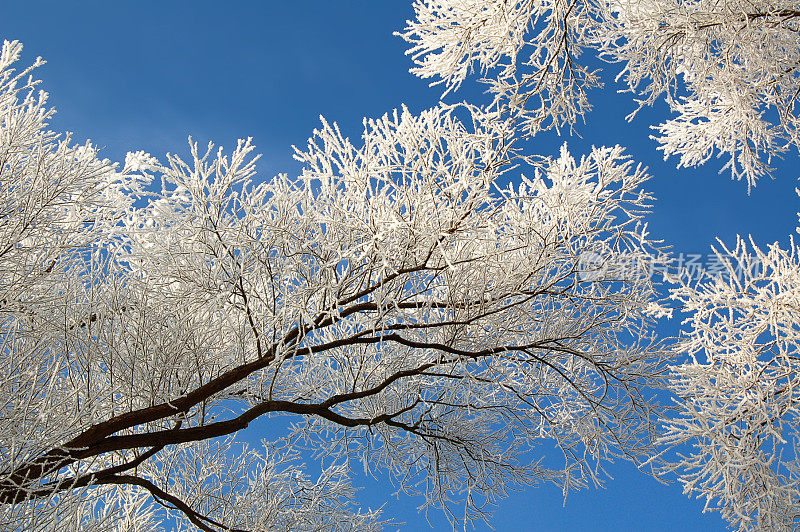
(740, 393)
(528, 50)
(415, 315)
(728, 69)
(428, 303)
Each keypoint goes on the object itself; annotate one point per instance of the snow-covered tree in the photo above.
(728, 69)
(414, 314)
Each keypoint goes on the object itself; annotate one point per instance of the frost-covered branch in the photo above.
(728, 70)
(740, 394)
(410, 311)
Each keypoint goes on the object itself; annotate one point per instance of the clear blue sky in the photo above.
(146, 74)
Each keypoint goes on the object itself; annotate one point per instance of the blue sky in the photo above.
(146, 74)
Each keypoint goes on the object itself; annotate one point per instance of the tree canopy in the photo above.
(408, 309)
